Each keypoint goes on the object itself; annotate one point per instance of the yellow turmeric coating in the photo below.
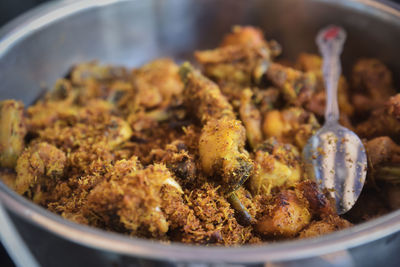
(38, 163)
(251, 118)
(157, 82)
(286, 217)
(203, 96)
(12, 132)
(221, 151)
(276, 165)
(292, 125)
(208, 155)
(297, 87)
(222, 140)
(243, 56)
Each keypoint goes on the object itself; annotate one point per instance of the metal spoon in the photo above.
(335, 156)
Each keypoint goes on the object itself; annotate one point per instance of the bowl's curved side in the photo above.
(87, 30)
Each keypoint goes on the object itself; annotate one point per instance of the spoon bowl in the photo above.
(336, 160)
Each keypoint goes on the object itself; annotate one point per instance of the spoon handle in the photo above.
(330, 42)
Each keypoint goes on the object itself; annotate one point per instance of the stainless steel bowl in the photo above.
(41, 45)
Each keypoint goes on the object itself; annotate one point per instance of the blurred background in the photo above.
(10, 9)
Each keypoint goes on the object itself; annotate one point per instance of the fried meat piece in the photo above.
(300, 211)
(222, 140)
(251, 118)
(373, 83)
(382, 150)
(12, 132)
(285, 217)
(60, 100)
(92, 124)
(242, 58)
(39, 165)
(383, 162)
(320, 204)
(297, 87)
(266, 99)
(203, 97)
(384, 121)
(276, 165)
(132, 200)
(221, 150)
(156, 83)
(291, 125)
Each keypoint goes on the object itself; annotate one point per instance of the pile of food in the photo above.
(204, 155)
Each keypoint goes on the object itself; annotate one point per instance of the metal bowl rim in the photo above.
(36, 19)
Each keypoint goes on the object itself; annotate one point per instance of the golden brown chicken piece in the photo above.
(276, 165)
(222, 140)
(286, 217)
(383, 162)
(384, 121)
(238, 65)
(308, 62)
(242, 58)
(90, 138)
(203, 96)
(12, 132)
(93, 80)
(322, 208)
(60, 100)
(91, 124)
(320, 205)
(251, 118)
(156, 83)
(117, 132)
(297, 87)
(382, 150)
(221, 150)
(303, 208)
(37, 166)
(133, 200)
(373, 83)
(266, 99)
(291, 125)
